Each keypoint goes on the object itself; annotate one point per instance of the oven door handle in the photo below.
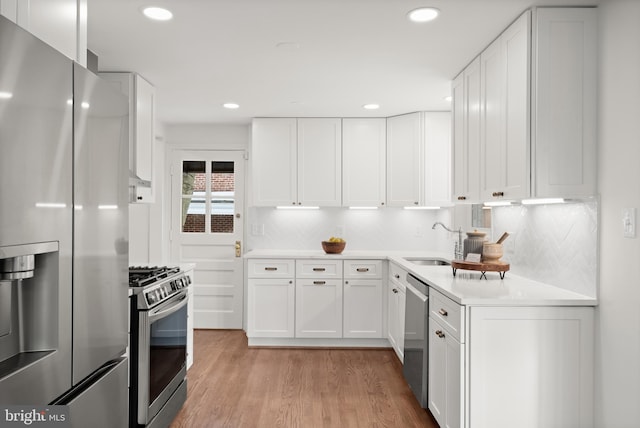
(154, 316)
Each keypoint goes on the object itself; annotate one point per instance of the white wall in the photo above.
(618, 315)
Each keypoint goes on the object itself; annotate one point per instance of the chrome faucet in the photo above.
(457, 252)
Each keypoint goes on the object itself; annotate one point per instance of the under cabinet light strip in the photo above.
(498, 204)
(297, 208)
(542, 201)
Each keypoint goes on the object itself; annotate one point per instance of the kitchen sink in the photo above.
(427, 261)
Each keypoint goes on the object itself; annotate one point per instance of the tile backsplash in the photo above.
(555, 244)
(388, 229)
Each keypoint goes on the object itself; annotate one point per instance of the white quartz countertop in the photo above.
(466, 288)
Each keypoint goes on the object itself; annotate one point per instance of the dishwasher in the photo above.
(416, 328)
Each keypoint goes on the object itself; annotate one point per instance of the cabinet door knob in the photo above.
(396, 276)
(394, 290)
(497, 194)
(346, 282)
(290, 282)
(439, 333)
(443, 312)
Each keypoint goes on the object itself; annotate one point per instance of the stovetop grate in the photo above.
(140, 276)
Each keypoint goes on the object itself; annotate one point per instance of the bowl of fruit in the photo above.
(334, 245)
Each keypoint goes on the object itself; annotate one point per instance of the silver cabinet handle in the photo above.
(319, 282)
(443, 312)
(271, 268)
(362, 270)
(439, 333)
(319, 269)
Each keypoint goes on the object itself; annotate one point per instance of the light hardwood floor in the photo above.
(232, 385)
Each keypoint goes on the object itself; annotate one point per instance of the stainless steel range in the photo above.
(158, 344)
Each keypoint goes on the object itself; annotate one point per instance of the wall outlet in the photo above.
(257, 229)
(629, 222)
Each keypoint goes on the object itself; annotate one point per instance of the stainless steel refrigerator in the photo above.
(63, 228)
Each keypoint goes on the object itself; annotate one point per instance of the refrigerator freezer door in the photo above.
(100, 259)
(101, 402)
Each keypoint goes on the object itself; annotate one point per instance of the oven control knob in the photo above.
(150, 299)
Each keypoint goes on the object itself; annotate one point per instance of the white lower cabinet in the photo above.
(363, 299)
(446, 360)
(396, 294)
(531, 367)
(504, 367)
(318, 308)
(312, 299)
(271, 298)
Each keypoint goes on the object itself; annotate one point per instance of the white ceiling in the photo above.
(350, 52)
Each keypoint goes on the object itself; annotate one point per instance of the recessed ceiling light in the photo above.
(423, 14)
(371, 106)
(231, 105)
(157, 13)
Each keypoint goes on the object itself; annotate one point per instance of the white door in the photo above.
(207, 204)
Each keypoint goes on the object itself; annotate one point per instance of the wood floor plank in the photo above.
(233, 386)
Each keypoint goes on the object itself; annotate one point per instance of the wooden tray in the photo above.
(499, 267)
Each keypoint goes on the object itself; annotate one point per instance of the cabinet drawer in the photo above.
(319, 269)
(448, 313)
(397, 273)
(270, 268)
(363, 269)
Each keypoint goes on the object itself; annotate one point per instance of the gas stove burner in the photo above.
(140, 276)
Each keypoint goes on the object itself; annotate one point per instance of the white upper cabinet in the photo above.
(504, 110)
(141, 131)
(535, 88)
(60, 23)
(320, 162)
(418, 159)
(274, 160)
(296, 162)
(404, 152)
(466, 134)
(363, 162)
(564, 101)
(437, 158)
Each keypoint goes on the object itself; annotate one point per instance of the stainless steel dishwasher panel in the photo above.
(416, 350)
